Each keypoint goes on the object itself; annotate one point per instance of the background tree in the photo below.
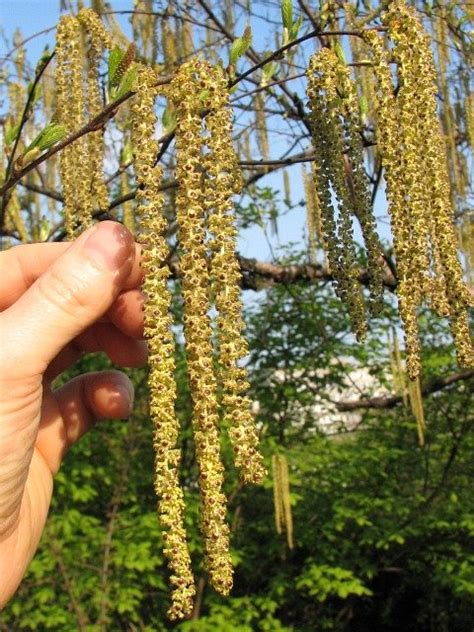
(381, 525)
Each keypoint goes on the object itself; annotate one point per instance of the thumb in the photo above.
(73, 293)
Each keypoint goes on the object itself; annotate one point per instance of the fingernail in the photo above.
(109, 245)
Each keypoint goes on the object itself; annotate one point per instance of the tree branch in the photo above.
(257, 275)
(390, 401)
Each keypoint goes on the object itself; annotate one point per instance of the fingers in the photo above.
(127, 313)
(121, 349)
(72, 410)
(22, 265)
(75, 291)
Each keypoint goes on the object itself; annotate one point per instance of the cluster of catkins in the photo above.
(412, 151)
(339, 175)
(208, 177)
(81, 163)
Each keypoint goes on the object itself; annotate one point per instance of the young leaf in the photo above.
(28, 157)
(295, 29)
(240, 45)
(36, 93)
(48, 137)
(267, 72)
(287, 13)
(126, 84)
(340, 53)
(11, 132)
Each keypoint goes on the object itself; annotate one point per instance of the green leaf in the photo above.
(295, 29)
(340, 52)
(11, 132)
(287, 13)
(240, 46)
(126, 85)
(267, 72)
(48, 137)
(37, 91)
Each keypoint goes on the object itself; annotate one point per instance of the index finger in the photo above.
(22, 265)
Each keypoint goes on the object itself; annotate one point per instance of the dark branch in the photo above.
(390, 401)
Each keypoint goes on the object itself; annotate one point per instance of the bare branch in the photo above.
(390, 401)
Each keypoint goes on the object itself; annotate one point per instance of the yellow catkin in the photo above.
(469, 118)
(313, 215)
(187, 90)
(51, 165)
(286, 501)
(223, 182)
(281, 498)
(187, 43)
(389, 147)
(416, 67)
(261, 125)
(160, 344)
(277, 501)
(339, 170)
(286, 186)
(168, 39)
(128, 215)
(70, 112)
(144, 28)
(398, 370)
(99, 40)
(19, 59)
(416, 404)
(466, 243)
(14, 218)
(418, 185)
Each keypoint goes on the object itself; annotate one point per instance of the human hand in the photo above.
(56, 302)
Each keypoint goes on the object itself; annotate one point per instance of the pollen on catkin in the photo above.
(99, 40)
(417, 181)
(223, 181)
(69, 113)
(81, 163)
(339, 169)
(192, 92)
(160, 344)
(313, 213)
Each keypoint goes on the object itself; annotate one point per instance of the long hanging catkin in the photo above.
(192, 91)
(160, 344)
(418, 185)
(339, 169)
(69, 113)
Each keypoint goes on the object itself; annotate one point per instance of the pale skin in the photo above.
(58, 301)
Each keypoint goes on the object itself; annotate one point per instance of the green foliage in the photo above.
(48, 137)
(381, 526)
(240, 46)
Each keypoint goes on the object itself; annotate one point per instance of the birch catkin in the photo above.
(418, 185)
(188, 86)
(160, 344)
